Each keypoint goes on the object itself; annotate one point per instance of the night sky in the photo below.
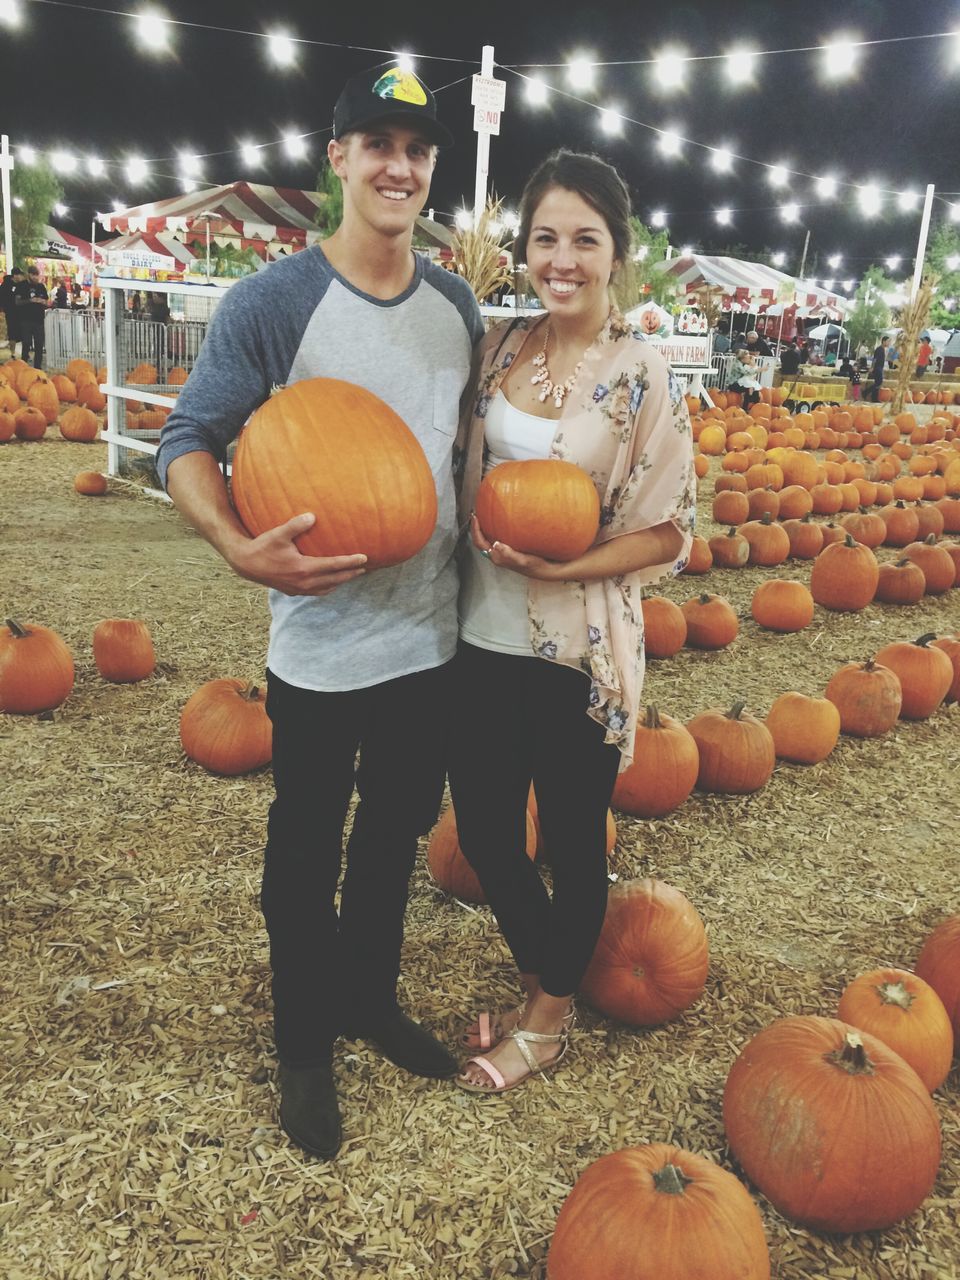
(73, 77)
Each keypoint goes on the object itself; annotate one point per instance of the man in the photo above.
(790, 360)
(721, 343)
(31, 298)
(924, 356)
(355, 662)
(756, 345)
(876, 369)
(8, 304)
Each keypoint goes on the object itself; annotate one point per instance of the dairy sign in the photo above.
(684, 351)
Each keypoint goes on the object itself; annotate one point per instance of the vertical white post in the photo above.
(111, 324)
(483, 146)
(6, 167)
(922, 243)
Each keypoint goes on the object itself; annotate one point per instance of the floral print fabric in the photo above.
(626, 424)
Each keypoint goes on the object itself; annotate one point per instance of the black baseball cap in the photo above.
(388, 94)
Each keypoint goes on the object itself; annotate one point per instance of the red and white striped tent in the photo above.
(163, 243)
(750, 286)
(269, 220)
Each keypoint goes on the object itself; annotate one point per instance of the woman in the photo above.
(743, 377)
(550, 664)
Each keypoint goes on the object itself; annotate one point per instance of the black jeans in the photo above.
(13, 328)
(520, 720)
(325, 965)
(874, 392)
(32, 338)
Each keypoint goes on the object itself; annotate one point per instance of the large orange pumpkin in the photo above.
(36, 669)
(844, 575)
(29, 424)
(448, 866)
(658, 1213)
(939, 965)
(225, 728)
(834, 1128)
(868, 697)
(782, 605)
(737, 754)
(123, 650)
(925, 673)
(805, 730)
(542, 506)
(337, 450)
(79, 424)
(664, 627)
(663, 771)
(650, 961)
(711, 621)
(907, 1015)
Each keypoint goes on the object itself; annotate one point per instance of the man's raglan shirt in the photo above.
(301, 319)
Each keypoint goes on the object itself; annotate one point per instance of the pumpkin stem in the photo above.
(671, 1181)
(895, 993)
(931, 539)
(732, 531)
(653, 716)
(925, 639)
(852, 1057)
(849, 541)
(905, 560)
(251, 693)
(766, 518)
(18, 632)
(736, 711)
(705, 597)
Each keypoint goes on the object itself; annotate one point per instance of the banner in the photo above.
(685, 352)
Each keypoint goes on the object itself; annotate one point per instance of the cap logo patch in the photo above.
(401, 85)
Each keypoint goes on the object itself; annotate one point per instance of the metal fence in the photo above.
(72, 335)
(720, 369)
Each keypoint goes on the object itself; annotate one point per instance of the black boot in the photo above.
(406, 1044)
(309, 1113)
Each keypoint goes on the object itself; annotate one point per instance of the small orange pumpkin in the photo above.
(664, 768)
(36, 669)
(736, 749)
(781, 605)
(225, 728)
(123, 650)
(804, 730)
(907, 1015)
(90, 483)
(711, 621)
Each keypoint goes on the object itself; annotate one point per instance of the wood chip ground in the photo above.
(138, 1133)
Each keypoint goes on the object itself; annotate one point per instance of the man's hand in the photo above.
(273, 560)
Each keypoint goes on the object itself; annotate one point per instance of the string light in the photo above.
(250, 154)
(136, 170)
(953, 262)
(870, 200)
(778, 258)
(658, 218)
(722, 159)
(95, 166)
(60, 210)
(580, 72)
(536, 91)
(687, 250)
(834, 260)
(848, 285)
(405, 63)
(670, 69)
(955, 213)
(777, 175)
(26, 155)
(723, 216)
(294, 145)
(610, 121)
(827, 284)
(826, 187)
(464, 219)
(790, 212)
(281, 48)
(739, 64)
(190, 165)
(152, 29)
(670, 142)
(907, 200)
(893, 262)
(63, 161)
(839, 59)
(10, 14)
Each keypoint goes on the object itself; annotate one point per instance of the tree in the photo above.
(34, 190)
(638, 280)
(943, 260)
(330, 213)
(871, 314)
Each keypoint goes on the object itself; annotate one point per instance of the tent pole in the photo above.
(922, 244)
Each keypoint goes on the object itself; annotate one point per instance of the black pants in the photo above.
(519, 720)
(748, 395)
(325, 965)
(874, 392)
(13, 328)
(32, 338)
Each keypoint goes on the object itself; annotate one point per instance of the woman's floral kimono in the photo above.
(626, 424)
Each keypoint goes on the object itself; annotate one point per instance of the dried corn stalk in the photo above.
(477, 253)
(913, 320)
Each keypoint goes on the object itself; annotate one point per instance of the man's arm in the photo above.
(196, 485)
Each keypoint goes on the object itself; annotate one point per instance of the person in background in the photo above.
(893, 356)
(61, 299)
(721, 343)
(359, 663)
(32, 298)
(549, 670)
(8, 304)
(756, 345)
(743, 376)
(877, 368)
(852, 374)
(790, 359)
(924, 355)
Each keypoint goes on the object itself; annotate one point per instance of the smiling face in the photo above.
(386, 173)
(570, 257)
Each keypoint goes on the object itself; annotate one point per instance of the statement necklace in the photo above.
(547, 386)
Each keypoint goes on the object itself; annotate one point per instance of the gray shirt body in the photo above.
(300, 319)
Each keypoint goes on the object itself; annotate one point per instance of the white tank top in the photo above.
(493, 601)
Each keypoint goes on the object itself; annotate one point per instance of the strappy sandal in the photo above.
(490, 1029)
(522, 1039)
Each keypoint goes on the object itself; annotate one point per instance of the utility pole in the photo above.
(483, 145)
(6, 168)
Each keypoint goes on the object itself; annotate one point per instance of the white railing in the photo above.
(720, 369)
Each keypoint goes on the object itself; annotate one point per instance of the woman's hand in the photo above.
(505, 557)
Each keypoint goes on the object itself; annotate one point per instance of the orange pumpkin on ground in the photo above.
(656, 1213)
(730, 507)
(337, 450)
(903, 524)
(711, 622)
(736, 749)
(730, 550)
(951, 647)
(834, 1128)
(844, 576)
(29, 424)
(781, 605)
(907, 1015)
(650, 961)
(700, 559)
(123, 650)
(939, 966)
(769, 545)
(664, 627)
(90, 483)
(804, 730)
(225, 728)
(900, 582)
(925, 674)
(7, 426)
(868, 697)
(79, 424)
(36, 669)
(92, 398)
(664, 768)
(805, 537)
(79, 366)
(42, 396)
(939, 570)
